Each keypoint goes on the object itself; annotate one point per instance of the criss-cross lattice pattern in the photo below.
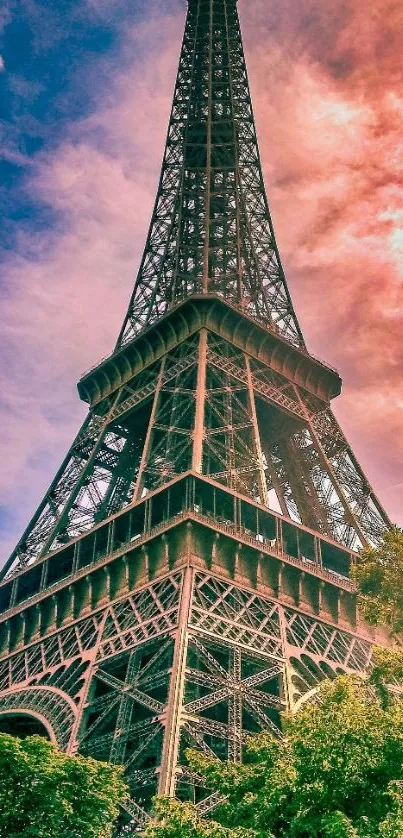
(100, 474)
(224, 610)
(327, 642)
(146, 614)
(122, 725)
(49, 704)
(211, 230)
(209, 406)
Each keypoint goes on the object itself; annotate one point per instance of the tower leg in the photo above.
(173, 720)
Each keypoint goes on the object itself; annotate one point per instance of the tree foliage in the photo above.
(378, 574)
(172, 819)
(46, 794)
(338, 773)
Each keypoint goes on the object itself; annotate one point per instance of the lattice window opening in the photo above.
(307, 675)
(70, 678)
(136, 682)
(218, 675)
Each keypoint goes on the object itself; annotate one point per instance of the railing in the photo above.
(271, 549)
(265, 545)
(259, 321)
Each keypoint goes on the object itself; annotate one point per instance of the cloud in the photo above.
(68, 287)
(325, 85)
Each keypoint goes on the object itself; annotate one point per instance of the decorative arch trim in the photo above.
(53, 708)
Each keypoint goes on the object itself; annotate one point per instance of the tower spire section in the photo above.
(211, 230)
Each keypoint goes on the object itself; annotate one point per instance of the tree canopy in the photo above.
(378, 574)
(46, 794)
(338, 773)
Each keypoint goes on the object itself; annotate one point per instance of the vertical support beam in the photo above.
(256, 433)
(206, 249)
(173, 719)
(288, 686)
(198, 436)
(147, 441)
(235, 708)
(74, 741)
(276, 485)
(81, 478)
(303, 489)
(124, 717)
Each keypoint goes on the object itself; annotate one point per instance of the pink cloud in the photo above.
(325, 83)
(68, 291)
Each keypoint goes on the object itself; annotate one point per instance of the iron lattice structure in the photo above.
(186, 576)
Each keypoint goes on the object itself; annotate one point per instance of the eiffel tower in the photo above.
(186, 576)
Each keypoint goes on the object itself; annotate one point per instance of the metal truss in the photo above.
(210, 407)
(207, 404)
(53, 709)
(221, 609)
(264, 436)
(211, 230)
(189, 660)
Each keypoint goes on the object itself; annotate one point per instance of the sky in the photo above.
(85, 94)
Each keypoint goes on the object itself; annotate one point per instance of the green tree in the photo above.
(378, 574)
(172, 819)
(338, 773)
(46, 794)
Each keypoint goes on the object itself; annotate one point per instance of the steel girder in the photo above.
(206, 404)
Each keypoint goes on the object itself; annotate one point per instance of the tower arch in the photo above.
(46, 707)
(23, 723)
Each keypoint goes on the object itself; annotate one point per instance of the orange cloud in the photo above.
(327, 84)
